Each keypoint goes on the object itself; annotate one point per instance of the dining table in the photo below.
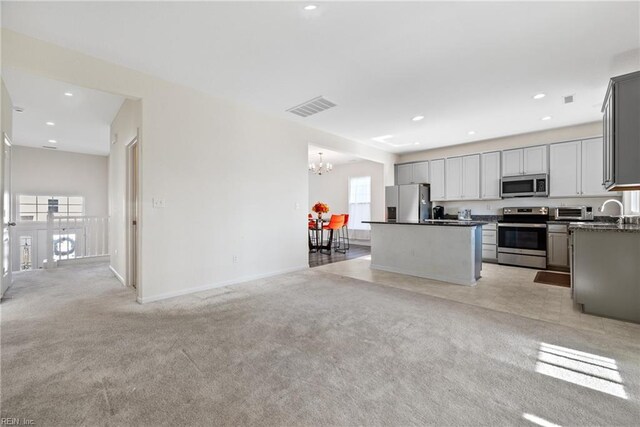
(316, 235)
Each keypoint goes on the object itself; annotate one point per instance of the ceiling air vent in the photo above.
(568, 99)
(311, 107)
(48, 147)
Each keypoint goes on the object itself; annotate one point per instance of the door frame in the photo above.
(133, 213)
(6, 279)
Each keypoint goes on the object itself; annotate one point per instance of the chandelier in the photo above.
(321, 167)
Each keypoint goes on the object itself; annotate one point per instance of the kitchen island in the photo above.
(605, 269)
(445, 250)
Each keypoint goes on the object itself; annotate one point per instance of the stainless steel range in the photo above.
(522, 237)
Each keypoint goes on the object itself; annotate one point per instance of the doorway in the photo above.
(7, 222)
(133, 211)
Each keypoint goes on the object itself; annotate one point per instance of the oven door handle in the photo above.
(523, 224)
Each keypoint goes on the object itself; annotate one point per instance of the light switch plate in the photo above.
(158, 202)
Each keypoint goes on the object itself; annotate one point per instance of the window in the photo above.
(36, 208)
(359, 202)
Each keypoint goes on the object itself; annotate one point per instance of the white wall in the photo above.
(333, 188)
(36, 171)
(217, 165)
(124, 129)
(493, 207)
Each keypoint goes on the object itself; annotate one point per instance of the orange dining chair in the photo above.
(344, 234)
(335, 225)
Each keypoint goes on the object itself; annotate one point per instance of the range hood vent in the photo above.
(313, 106)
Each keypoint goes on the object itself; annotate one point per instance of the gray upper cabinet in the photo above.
(621, 131)
(405, 174)
(412, 173)
(576, 168)
(436, 179)
(512, 162)
(566, 171)
(490, 177)
(453, 181)
(525, 161)
(471, 177)
(421, 173)
(535, 160)
(592, 165)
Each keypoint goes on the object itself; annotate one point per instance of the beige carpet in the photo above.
(309, 348)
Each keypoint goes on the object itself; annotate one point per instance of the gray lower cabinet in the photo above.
(558, 246)
(606, 273)
(490, 242)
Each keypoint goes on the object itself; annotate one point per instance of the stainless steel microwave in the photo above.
(525, 186)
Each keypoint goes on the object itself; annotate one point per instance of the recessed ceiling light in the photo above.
(546, 118)
(53, 141)
(539, 96)
(472, 132)
(417, 118)
(68, 94)
(50, 124)
(310, 7)
(416, 143)
(382, 138)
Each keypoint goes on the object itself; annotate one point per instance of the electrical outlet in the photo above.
(297, 206)
(235, 259)
(158, 202)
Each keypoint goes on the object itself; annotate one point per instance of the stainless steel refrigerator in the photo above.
(409, 202)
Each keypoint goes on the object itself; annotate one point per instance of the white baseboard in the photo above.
(85, 260)
(118, 276)
(167, 295)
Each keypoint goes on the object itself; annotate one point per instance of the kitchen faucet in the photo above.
(621, 217)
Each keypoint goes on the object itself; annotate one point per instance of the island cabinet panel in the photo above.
(449, 253)
(605, 271)
(453, 179)
(535, 160)
(564, 179)
(592, 168)
(471, 177)
(437, 178)
(512, 162)
(490, 177)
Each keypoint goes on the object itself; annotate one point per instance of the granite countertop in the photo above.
(597, 220)
(438, 222)
(604, 227)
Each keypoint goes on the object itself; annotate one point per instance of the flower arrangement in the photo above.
(320, 208)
